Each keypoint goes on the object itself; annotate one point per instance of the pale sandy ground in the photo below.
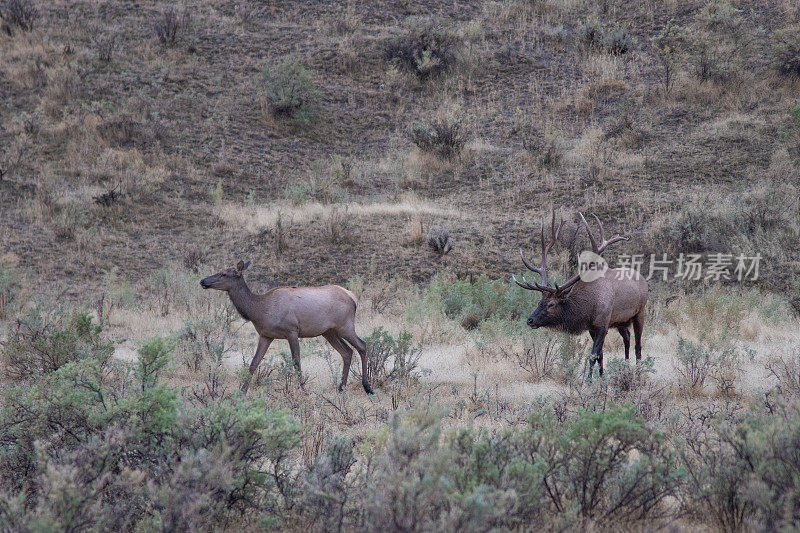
(457, 361)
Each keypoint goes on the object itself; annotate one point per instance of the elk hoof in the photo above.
(367, 388)
(341, 388)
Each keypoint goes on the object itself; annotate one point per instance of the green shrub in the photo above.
(297, 193)
(712, 57)
(154, 356)
(786, 51)
(291, 91)
(592, 35)
(409, 479)
(785, 368)
(324, 184)
(41, 343)
(716, 45)
(772, 443)
(444, 136)
(608, 466)
(743, 471)
(483, 481)
(619, 41)
(85, 445)
(390, 359)
(174, 289)
(699, 362)
(546, 355)
(794, 112)
(721, 15)
(751, 217)
(9, 285)
(207, 340)
(481, 297)
(538, 357)
(203, 346)
(20, 14)
(426, 48)
(171, 26)
(624, 377)
(327, 490)
(669, 47)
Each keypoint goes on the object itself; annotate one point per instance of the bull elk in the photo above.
(293, 313)
(616, 299)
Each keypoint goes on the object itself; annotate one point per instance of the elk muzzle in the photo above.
(207, 283)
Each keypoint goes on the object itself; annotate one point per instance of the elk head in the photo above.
(553, 309)
(225, 280)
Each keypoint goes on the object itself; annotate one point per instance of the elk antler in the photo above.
(597, 249)
(542, 270)
(603, 242)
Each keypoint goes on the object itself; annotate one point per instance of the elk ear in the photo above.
(244, 267)
(240, 266)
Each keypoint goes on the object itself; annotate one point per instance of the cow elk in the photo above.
(293, 313)
(616, 299)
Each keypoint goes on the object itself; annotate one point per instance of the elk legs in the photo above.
(599, 337)
(638, 326)
(294, 346)
(626, 339)
(358, 343)
(261, 349)
(345, 351)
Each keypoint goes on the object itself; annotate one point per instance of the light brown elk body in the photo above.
(616, 299)
(293, 313)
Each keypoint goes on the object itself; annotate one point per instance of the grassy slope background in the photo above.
(93, 101)
(184, 133)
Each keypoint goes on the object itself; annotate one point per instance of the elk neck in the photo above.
(574, 319)
(243, 300)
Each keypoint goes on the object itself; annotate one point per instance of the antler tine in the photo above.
(574, 279)
(600, 225)
(589, 232)
(525, 284)
(614, 239)
(542, 272)
(527, 265)
(556, 231)
(603, 242)
(542, 269)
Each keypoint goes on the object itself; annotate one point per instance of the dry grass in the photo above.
(465, 362)
(180, 131)
(256, 218)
